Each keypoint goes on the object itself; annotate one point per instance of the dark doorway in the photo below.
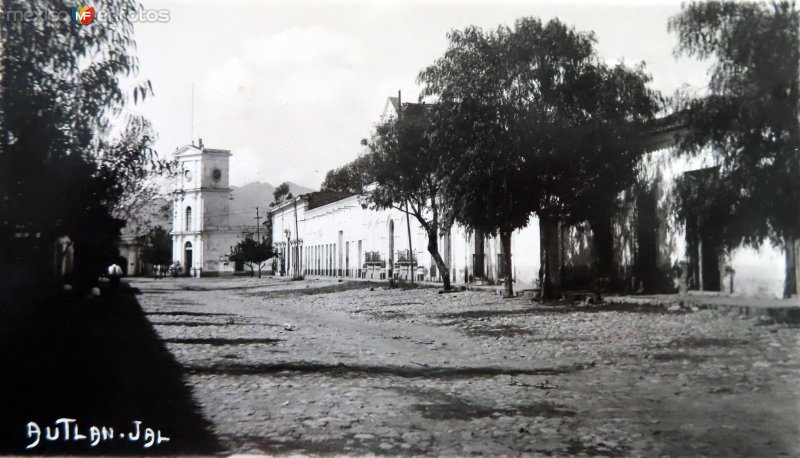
(710, 264)
(187, 258)
(704, 254)
(122, 261)
(340, 255)
(704, 230)
(478, 256)
(646, 257)
(390, 258)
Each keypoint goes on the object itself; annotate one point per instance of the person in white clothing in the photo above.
(114, 274)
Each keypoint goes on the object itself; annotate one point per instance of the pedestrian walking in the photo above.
(114, 275)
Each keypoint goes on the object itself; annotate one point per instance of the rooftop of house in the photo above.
(320, 198)
(194, 149)
(406, 108)
(315, 199)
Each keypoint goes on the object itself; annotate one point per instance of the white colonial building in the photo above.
(333, 234)
(201, 233)
(328, 233)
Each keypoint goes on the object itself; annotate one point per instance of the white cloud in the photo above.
(291, 87)
(271, 95)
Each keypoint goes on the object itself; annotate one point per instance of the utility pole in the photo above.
(399, 105)
(408, 221)
(258, 237)
(296, 243)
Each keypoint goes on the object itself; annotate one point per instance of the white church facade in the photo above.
(202, 236)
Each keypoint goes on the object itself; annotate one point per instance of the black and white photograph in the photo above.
(531, 228)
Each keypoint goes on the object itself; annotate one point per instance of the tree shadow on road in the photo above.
(364, 370)
(540, 309)
(101, 363)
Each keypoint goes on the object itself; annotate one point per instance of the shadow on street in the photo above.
(99, 362)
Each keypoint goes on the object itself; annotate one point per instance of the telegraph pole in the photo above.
(258, 237)
(258, 225)
(408, 218)
(296, 243)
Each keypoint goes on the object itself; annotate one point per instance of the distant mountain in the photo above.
(246, 198)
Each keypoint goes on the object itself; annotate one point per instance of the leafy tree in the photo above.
(156, 246)
(281, 192)
(749, 118)
(59, 94)
(500, 95)
(139, 174)
(533, 121)
(610, 110)
(702, 202)
(252, 253)
(406, 175)
(353, 177)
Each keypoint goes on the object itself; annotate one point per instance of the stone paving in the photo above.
(323, 367)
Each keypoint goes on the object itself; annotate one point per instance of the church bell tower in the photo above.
(201, 232)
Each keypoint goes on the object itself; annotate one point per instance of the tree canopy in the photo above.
(252, 253)
(406, 174)
(531, 121)
(156, 246)
(749, 116)
(352, 177)
(62, 90)
(612, 107)
(281, 192)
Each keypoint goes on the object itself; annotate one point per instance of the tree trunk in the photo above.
(549, 270)
(505, 239)
(433, 249)
(410, 248)
(478, 267)
(603, 251)
(790, 281)
(796, 270)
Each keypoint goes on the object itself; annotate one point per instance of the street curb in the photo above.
(779, 313)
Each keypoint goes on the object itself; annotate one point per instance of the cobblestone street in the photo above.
(319, 366)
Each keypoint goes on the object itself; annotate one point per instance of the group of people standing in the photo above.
(173, 270)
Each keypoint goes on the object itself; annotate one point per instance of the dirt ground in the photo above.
(322, 367)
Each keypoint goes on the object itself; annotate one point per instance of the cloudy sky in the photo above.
(291, 87)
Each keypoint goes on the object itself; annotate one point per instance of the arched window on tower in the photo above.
(188, 218)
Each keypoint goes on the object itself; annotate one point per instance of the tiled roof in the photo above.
(320, 198)
(217, 151)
